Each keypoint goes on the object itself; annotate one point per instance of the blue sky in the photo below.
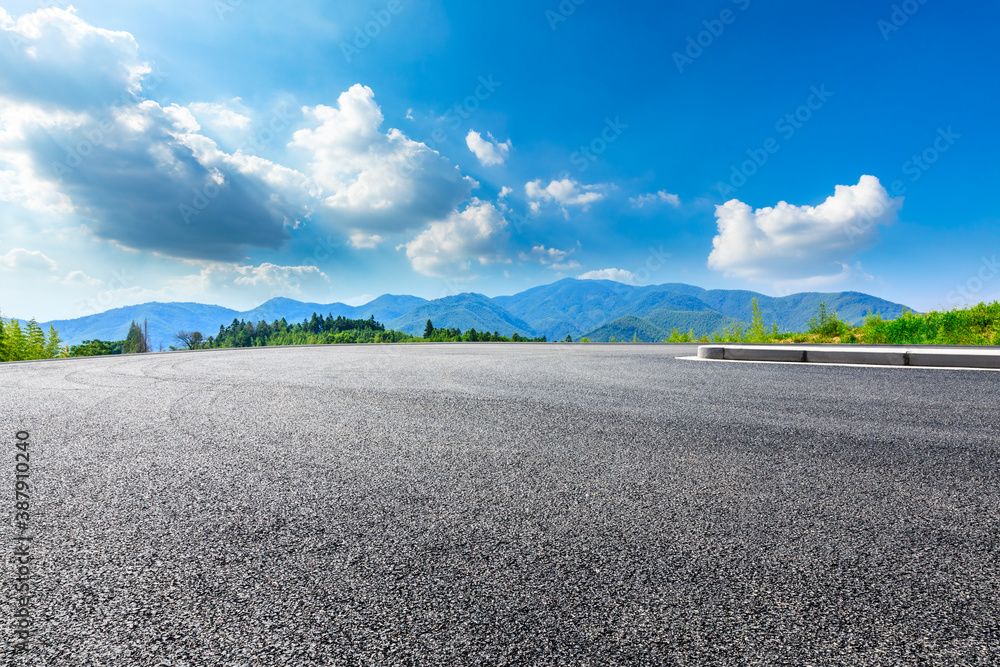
(229, 151)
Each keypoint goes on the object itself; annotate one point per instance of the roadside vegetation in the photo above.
(974, 325)
(19, 343)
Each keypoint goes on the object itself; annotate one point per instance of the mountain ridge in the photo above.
(569, 306)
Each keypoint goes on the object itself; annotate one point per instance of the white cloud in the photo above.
(655, 198)
(372, 181)
(489, 152)
(787, 242)
(78, 135)
(80, 279)
(221, 116)
(284, 278)
(360, 300)
(565, 193)
(504, 191)
(362, 240)
(617, 275)
(847, 274)
(19, 259)
(236, 285)
(552, 258)
(62, 60)
(141, 174)
(451, 244)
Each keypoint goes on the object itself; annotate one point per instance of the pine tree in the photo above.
(429, 329)
(15, 344)
(36, 341)
(758, 332)
(133, 341)
(53, 347)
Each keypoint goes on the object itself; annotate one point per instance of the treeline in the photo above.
(328, 330)
(19, 343)
(454, 335)
(316, 330)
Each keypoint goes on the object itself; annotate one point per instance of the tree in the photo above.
(569, 339)
(826, 323)
(133, 341)
(758, 332)
(429, 329)
(53, 348)
(36, 341)
(190, 339)
(15, 345)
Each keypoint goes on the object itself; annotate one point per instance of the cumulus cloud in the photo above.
(477, 233)
(372, 181)
(552, 258)
(52, 56)
(20, 259)
(846, 274)
(80, 136)
(787, 242)
(237, 285)
(489, 151)
(504, 191)
(617, 275)
(362, 240)
(565, 193)
(80, 279)
(141, 174)
(221, 116)
(660, 197)
(284, 278)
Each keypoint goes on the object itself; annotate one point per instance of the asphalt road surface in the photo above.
(509, 504)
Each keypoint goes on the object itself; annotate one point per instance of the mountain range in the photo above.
(597, 309)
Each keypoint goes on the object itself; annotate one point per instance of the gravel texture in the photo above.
(468, 504)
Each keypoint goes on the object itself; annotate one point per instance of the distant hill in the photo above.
(592, 308)
(577, 307)
(463, 311)
(627, 328)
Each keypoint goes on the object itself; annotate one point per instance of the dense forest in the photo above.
(318, 330)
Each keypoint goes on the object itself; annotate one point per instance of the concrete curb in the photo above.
(932, 356)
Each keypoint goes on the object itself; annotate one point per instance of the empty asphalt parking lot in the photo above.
(502, 504)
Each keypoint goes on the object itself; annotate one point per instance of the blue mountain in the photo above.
(567, 307)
